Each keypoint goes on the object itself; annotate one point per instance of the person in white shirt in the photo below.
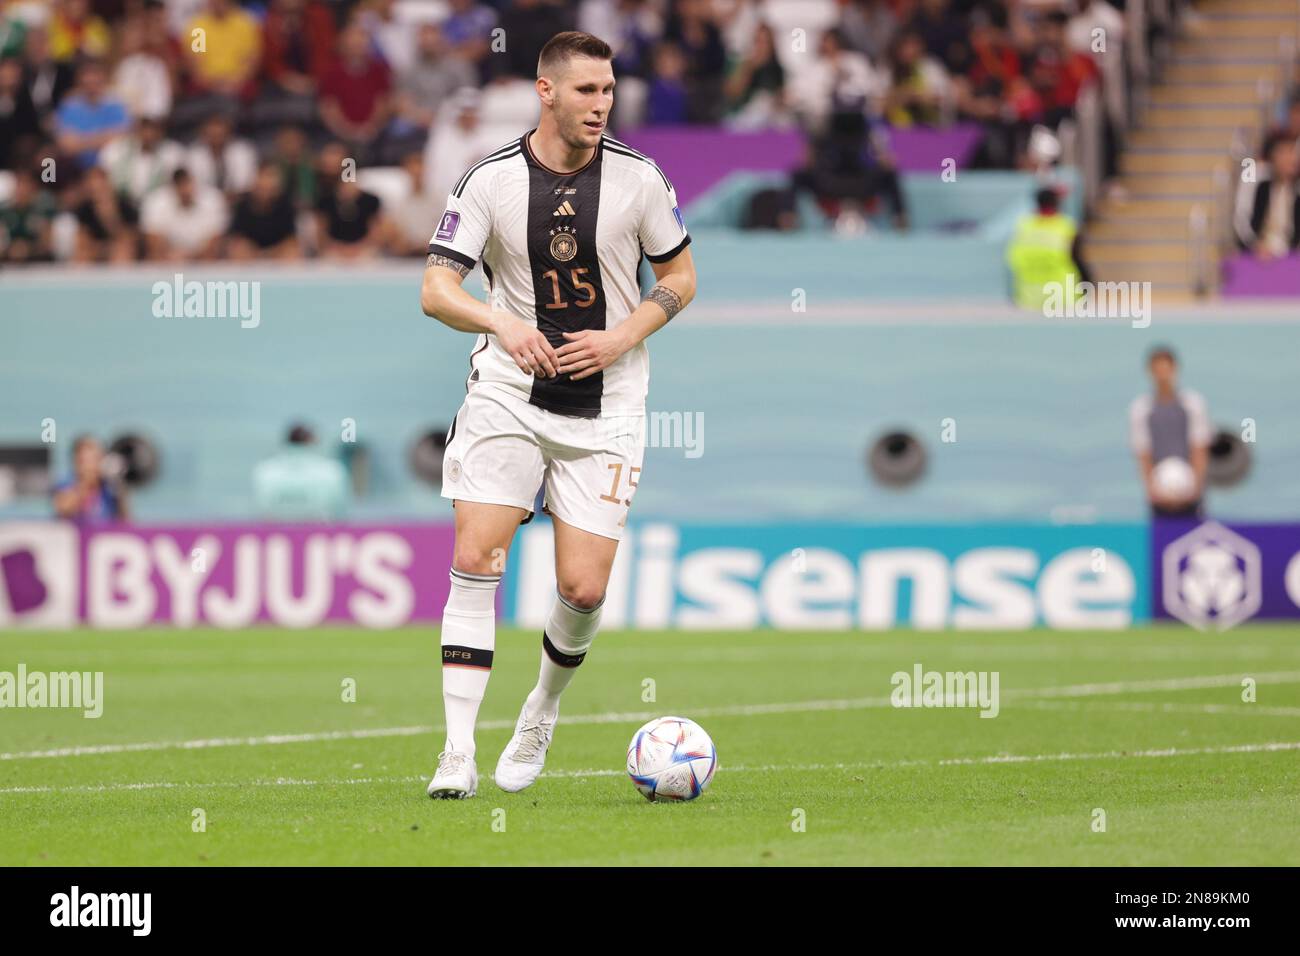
(141, 161)
(1267, 216)
(220, 159)
(184, 221)
(141, 79)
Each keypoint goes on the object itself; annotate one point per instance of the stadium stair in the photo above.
(1223, 78)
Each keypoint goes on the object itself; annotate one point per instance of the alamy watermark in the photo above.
(1098, 300)
(211, 299)
(922, 688)
(75, 908)
(75, 690)
(683, 430)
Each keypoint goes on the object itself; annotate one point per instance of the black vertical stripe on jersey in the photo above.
(562, 394)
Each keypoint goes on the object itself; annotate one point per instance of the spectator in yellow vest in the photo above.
(1044, 250)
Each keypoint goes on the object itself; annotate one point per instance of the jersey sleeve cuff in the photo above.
(671, 253)
(439, 250)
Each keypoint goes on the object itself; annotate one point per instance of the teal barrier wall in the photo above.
(788, 401)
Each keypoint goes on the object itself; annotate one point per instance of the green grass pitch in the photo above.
(1147, 725)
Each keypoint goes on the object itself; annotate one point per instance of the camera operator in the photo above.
(94, 492)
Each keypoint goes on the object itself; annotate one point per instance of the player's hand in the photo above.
(527, 346)
(587, 352)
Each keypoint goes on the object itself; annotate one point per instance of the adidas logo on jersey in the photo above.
(564, 209)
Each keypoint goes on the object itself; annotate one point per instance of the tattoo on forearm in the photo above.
(666, 299)
(450, 263)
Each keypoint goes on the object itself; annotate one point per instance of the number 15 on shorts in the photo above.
(613, 497)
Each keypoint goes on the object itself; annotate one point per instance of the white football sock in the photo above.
(468, 638)
(569, 633)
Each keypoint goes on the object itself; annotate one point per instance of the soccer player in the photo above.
(556, 391)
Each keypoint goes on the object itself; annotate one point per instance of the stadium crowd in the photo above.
(199, 129)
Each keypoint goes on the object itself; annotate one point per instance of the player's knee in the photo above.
(581, 594)
(473, 559)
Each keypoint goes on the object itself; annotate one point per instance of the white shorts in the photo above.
(501, 450)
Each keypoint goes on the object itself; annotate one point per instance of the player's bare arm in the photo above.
(587, 352)
(443, 297)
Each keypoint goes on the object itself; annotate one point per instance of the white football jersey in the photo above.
(561, 250)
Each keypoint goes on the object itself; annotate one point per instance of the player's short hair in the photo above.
(1161, 352)
(565, 46)
(1047, 199)
(300, 434)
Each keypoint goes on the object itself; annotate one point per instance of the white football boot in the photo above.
(456, 778)
(522, 760)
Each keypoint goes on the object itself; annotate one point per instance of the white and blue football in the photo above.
(671, 758)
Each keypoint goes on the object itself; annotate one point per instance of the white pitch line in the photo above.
(1236, 710)
(990, 760)
(740, 710)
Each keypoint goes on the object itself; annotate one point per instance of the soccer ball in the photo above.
(671, 758)
(1174, 478)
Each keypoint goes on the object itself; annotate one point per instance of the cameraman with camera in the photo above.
(95, 492)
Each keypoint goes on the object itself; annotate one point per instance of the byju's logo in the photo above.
(38, 574)
(1212, 578)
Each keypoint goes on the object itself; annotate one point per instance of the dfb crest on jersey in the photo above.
(1212, 578)
(564, 244)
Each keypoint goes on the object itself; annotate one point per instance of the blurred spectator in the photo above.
(738, 21)
(105, 221)
(667, 99)
(458, 140)
(848, 170)
(183, 220)
(20, 126)
(920, 93)
(1170, 422)
(13, 33)
(1097, 30)
(1045, 253)
(468, 28)
(347, 219)
(297, 51)
(394, 34)
(48, 81)
(76, 33)
(297, 172)
(219, 158)
(1057, 74)
(838, 79)
(630, 27)
(528, 24)
(1291, 126)
(301, 483)
(1267, 216)
(141, 161)
(983, 93)
(265, 222)
(756, 87)
(93, 493)
(350, 222)
(408, 226)
(692, 28)
(942, 30)
(434, 75)
(356, 99)
(90, 116)
(25, 221)
(226, 64)
(143, 78)
(867, 26)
